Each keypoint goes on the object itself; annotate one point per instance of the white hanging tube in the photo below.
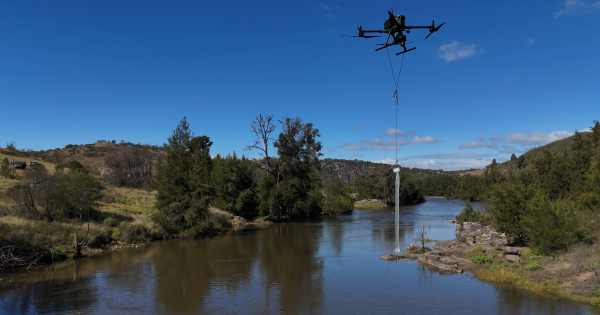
(397, 171)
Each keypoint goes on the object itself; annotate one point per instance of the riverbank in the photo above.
(574, 275)
(369, 204)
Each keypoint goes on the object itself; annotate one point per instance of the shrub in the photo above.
(132, 233)
(338, 204)
(532, 266)
(468, 215)
(481, 259)
(112, 222)
(478, 249)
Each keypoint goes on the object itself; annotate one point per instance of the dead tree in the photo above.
(262, 127)
(421, 234)
(81, 245)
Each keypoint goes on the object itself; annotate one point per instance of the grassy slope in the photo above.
(131, 206)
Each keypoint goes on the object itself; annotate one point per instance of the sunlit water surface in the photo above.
(320, 267)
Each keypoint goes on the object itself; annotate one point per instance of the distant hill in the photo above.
(91, 156)
(349, 170)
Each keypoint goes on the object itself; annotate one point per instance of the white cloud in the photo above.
(449, 165)
(444, 165)
(391, 132)
(388, 144)
(331, 150)
(586, 129)
(537, 137)
(324, 6)
(337, 6)
(451, 156)
(477, 144)
(365, 125)
(457, 51)
(352, 146)
(579, 7)
(530, 41)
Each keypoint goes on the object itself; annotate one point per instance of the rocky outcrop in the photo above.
(475, 233)
(238, 221)
(440, 260)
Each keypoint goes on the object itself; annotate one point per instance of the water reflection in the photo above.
(328, 266)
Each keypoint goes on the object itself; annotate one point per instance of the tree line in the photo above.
(284, 186)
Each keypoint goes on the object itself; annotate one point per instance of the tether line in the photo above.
(396, 82)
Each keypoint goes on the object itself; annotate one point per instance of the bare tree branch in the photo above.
(262, 127)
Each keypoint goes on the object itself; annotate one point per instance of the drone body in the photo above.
(395, 26)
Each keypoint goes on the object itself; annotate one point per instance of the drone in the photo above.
(395, 26)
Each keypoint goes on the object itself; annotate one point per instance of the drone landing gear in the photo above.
(407, 50)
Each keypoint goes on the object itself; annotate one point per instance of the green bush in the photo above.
(338, 204)
(481, 259)
(468, 215)
(112, 222)
(532, 266)
(478, 249)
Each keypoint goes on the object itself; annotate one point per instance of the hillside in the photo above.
(349, 170)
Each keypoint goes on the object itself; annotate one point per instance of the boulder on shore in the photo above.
(513, 258)
(440, 260)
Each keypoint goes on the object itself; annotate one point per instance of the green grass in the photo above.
(481, 260)
(532, 266)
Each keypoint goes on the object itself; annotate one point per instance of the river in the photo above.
(330, 266)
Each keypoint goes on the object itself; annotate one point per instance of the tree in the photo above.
(50, 196)
(36, 174)
(131, 167)
(421, 234)
(262, 127)
(234, 185)
(76, 167)
(81, 192)
(184, 189)
(508, 207)
(551, 226)
(297, 169)
(513, 157)
(11, 146)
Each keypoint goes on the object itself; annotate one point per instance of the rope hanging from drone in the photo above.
(396, 82)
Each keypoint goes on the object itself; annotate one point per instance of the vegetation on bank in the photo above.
(135, 193)
(548, 198)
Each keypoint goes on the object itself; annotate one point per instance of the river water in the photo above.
(330, 266)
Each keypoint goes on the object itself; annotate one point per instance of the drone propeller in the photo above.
(369, 36)
(433, 29)
(407, 43)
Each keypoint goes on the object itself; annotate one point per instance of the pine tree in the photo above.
(183, 182)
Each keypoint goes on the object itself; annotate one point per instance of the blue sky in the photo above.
(499, 77)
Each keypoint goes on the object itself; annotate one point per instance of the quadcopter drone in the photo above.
(394, 26)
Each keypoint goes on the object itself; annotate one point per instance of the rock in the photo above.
(453, 221)
(511, 251)
(391, 257)
(513, 258)
(440, 260)
(412, 248)
(238, 221)
(444, 245)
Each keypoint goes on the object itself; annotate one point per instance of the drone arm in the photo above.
(374, 31)
(411, 27)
